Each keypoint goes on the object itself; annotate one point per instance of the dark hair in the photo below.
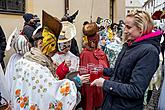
(85, 22)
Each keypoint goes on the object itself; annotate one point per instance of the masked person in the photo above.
(64, 57)
(74, 47)
(134, 66)
(35, 83)
(92, 54)
(66, 61)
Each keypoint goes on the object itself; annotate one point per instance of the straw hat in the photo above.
(67, 33)
(90, 29)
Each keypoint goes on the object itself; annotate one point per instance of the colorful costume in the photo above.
(34, 86)
(92, 96)
(35, 83)
(64, 45)
(89, 93)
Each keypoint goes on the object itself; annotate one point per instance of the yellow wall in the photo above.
(119, 10)
(56, 8)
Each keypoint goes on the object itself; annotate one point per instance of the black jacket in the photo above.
(131, 76)
(28, 31)
(2, 44)
(74, 47)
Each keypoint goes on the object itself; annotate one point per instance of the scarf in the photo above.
(35, 55)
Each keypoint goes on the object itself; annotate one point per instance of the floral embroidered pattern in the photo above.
(57, 105)
(34, 107)
(34, 91)
(22, 100)
(65, 89)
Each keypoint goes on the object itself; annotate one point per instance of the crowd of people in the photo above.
(112, 72)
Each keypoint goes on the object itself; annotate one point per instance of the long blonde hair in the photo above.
(142, 21)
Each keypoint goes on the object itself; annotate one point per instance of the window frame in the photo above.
(12, 11)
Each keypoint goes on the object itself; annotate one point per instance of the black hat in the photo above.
(27, 17)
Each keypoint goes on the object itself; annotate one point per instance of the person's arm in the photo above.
(140, 79)
(62, 70)
(108, 72)
(79, 80)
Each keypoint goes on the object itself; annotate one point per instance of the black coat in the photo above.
(28, 32)
(2, 44)
(74, 47)
(131, 76)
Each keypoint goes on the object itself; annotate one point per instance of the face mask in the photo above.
(49, 42)
(93, 39)
(63, 46)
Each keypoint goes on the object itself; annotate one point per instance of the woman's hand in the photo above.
(98, 82)
(84, 78)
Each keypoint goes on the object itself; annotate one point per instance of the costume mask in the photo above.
(93, 39)
(63, 46)
(49, 42)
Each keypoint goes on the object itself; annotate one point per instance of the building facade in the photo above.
(103, 8)
(154, 5)
(132, 5)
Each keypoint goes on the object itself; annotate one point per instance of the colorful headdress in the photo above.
(90, 29)
(67, 33)
(51, 30)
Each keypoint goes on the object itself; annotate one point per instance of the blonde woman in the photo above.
(136, 64)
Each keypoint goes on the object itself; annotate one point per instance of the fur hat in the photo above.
(90, 29)
(67, 33)
(28, 16)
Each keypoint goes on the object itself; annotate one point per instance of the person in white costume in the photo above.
(64, 45)
(35, 83)
(21, 46)
(3, 88)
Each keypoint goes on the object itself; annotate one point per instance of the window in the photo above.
(148, 4)
(12, 6)
(111, 4)
(151, 3)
